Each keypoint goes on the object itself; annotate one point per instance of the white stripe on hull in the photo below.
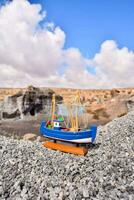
(85, 140)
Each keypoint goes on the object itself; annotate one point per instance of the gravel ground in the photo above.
(30, 172)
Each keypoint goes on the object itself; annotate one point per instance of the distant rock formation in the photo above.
(117, 106)
(28, 103)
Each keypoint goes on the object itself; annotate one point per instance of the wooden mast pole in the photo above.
(77, 102)
(53, 106)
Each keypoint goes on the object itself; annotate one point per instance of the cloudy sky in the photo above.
(74, 43)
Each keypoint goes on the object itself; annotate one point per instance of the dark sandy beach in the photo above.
(18, 128)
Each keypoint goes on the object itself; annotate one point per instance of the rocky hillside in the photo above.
(68, 93)
(29, 171)
(102, 106)
(4, 92)
(98, 96)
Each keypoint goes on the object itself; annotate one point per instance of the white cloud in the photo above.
(30, 54)
(114, 64)
(26, 47)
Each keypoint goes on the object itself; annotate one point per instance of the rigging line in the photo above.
(74, 104)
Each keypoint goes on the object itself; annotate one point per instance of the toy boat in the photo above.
(62, 134)
(54, 130)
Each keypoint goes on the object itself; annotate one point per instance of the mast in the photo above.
(74, 119)
(73, 111)
(77, 102)
(53, 106)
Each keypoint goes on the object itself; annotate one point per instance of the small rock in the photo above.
(85, 192)
(61, 195)
(29, 136)
(40, 139)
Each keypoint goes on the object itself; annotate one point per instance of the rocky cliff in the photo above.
(27, 103)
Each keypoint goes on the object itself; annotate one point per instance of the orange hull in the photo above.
(66, 148)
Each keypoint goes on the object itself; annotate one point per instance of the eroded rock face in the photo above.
(28, 103)
(10, 108)
(130, 103)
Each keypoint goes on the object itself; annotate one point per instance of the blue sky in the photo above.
(87, 23)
